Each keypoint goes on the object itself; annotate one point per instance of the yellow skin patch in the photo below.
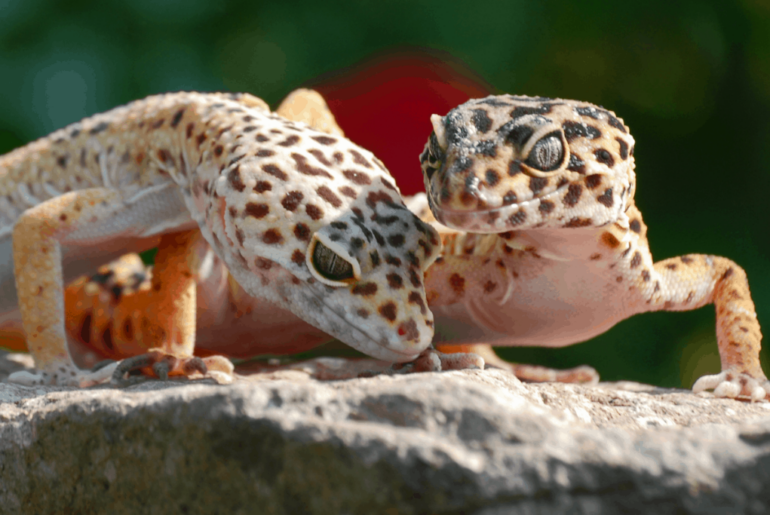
(545, 246)
(264, 191)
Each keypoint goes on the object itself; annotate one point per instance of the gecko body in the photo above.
(302, 219)
(545, 245)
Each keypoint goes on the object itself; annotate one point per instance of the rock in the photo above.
(455, 442)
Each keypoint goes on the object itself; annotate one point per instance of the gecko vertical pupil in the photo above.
(547, 154)
(330, 265)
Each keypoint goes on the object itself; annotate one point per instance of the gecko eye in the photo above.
(547, 154)
(330, 265)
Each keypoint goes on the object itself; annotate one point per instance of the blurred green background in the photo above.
(691, 79)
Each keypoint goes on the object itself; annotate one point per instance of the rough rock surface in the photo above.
(476, 442)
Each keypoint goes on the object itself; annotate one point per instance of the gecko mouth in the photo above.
(513, 216)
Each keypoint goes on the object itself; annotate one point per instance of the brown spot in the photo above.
(546, 206)
(190, 130)
(304, 168)
(489, 286)
(348, 192)
(593, 181)
(409, 330)
(63, 217)
(517, 218)
(272, 237)
(325, 140)
(623, 148)
(604, 157)
(687, 260)
(218, 150)
(362, 313)
(314, 212)
(256, 210)
(610, 240)
(265, 153)
(573, 195)
(492, 178)
(457, 283)
(240, 236)
(645, 275)
(261, 138)
(606, 198)
(291, 200)
(263, 186)
(235, 180)
(416, 298)
(177, 118)
(355, 177)
(414, 278)
(388, 310)
(619, 279)
(578, 222)
(689, 297)
(726, 275)
(302, 232)
(395, 281)
(320, 157)
(671, 266)
(595, 257)
(329, 196)
(289, 141)
(635, 225)
(297, 257)
(359, 159)
(536, 184)
(364, 289)
(636, 260)
(200, 138)
(263, 264)
(396, 240)
(275, 172)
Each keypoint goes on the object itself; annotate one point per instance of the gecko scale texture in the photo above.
(304, 219)
(546, 246)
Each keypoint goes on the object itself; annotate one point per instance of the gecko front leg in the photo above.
(37, 238)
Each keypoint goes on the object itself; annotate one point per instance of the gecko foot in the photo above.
(64, 375)
(537, 374)
(734, 384)
(530, 373)
(162, 365)
(431, 360)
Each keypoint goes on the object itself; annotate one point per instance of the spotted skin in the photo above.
(545, 245)
(264, 192)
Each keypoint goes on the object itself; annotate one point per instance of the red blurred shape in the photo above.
(384, 104)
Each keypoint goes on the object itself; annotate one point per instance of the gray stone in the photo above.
(455, 442)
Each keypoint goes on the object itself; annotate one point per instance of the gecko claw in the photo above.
(732, 384)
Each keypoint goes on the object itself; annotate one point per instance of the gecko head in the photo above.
(315, 224)
(508, 162)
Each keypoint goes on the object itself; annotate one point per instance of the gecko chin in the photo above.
(345, 317)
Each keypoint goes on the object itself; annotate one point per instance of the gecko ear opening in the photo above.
(331, 264)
